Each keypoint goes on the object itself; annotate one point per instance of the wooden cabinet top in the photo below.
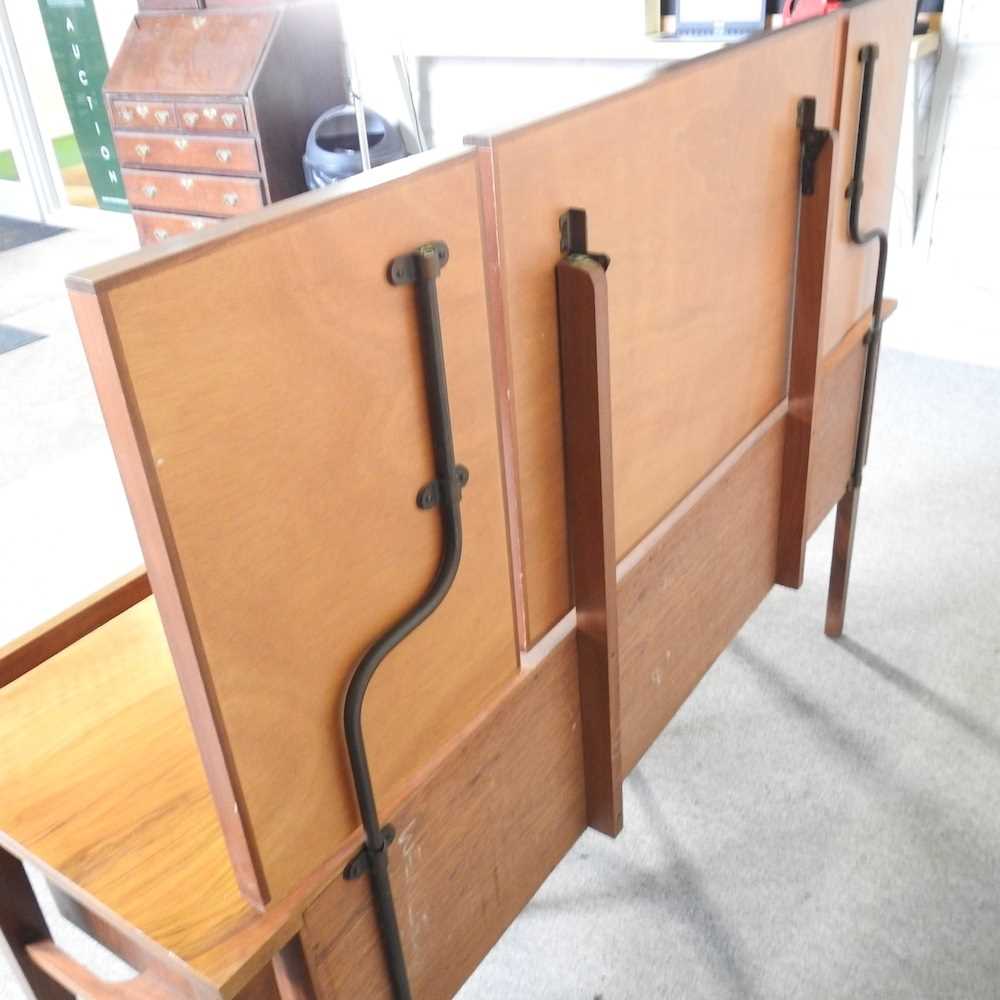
(208, 53)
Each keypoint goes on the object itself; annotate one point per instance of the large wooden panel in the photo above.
(851, 269)
(273, 381)
(697, 211)
(698, 583)
(475, 841)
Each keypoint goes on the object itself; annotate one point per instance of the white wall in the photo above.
(957, 306)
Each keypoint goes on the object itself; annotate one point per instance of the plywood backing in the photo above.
(694, 588)
(689, 183)
(273, 380)
(851, 269)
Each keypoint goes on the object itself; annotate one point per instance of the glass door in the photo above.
(17, 193)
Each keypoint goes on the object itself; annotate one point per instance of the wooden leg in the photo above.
(291, 972)
(840, 567)
(586, 387)
(22, 924)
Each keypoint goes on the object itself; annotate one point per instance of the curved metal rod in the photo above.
(867, 57)
(446, 493)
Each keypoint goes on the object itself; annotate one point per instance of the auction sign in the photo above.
(78, 54)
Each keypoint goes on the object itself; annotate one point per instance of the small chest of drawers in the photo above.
(211, 109)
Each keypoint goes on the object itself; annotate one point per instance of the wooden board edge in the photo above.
(51, 637)
(200, 989)
(188, 246)
(503, 385)
(103, 350)
(582, 294)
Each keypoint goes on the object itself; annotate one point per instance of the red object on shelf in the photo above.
(799, 10)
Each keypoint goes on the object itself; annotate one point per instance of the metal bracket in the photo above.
(430, 495)
(573, 237)
(813, 141)
(361, 863)
(421, 269)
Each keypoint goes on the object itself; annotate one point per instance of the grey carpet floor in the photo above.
(821, 819)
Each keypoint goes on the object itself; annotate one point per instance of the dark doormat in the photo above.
(17, 232)
(11, 337)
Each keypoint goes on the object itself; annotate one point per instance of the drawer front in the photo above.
(155, 227)
(211, 116)
(221, 155)
(143, 114)
(201, 194)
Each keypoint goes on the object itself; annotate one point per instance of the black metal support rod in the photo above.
(867, 58)
(422, 269)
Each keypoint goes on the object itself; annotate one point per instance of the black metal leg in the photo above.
(420, 268)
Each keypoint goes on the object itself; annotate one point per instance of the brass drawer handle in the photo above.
(229, 119)
(197, 224)
(231, 198)
(142, 150)
(191, 118)
(162, 116)
(149, 190)
(142, 110)
(211, 114)
(125, 114)
(223, 155)
(187, 183)
(160, 234)
(181, 144)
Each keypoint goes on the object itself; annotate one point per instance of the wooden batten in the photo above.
(586, 395)
(815, 232)
(43, 642)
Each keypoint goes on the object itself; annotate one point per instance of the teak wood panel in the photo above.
(695, 587)
(102, 786)
(273, 380)
(851, 269)
(583, 347)
(698, 217)
(474, 843)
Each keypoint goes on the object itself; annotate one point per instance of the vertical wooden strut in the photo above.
(586, 395)
(847, 509)
(812, 236)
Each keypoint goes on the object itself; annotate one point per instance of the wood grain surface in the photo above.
(474, 842)
(590, 516)
(274, 387)
(835, 420)
(698, 219)
(170, 53)
(815, 235)
(693, 590)
(851, 269)
(102, 789)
